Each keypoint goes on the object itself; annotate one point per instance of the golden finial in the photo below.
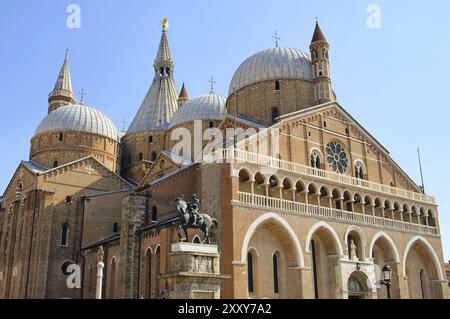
(165, 24)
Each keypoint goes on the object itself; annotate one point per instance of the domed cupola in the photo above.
(280, 81)
(73, 132)
(78, 118)
(272, 64)
(207, 107)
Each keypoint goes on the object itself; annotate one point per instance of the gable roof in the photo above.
(322, 107)
(175, 159)
(89, 158)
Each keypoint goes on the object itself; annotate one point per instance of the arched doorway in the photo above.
(273, 256)
(325, 250)
(384, 252)
(422, 270)
(357, 286)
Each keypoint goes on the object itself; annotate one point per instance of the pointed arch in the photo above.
(280, 221)
(388, 238)
(335, 236)
(437, 263)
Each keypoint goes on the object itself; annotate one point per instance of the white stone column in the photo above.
(306, 197)
(330, 201)
(318, 199)
(293, 194)
(98, 290)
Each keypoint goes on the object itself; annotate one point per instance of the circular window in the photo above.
(337, 158)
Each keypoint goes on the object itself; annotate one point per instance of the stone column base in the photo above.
(194, 272)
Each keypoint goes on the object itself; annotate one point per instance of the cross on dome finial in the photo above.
(82, 95)
(124, 124)
(276, 37)
(212, 82)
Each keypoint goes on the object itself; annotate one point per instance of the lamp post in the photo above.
(387, 272)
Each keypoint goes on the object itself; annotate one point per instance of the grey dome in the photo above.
(273, 64)
(79, 118)
(205, 107)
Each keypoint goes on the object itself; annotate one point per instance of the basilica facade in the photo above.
(320, 217)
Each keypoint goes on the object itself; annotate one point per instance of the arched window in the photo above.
(277, 85)
(161, 71)
(211, 124)
(112, 275)
(116, 228)
(140, 157)
(276, 287)
(148, 274)
(275, 114)
(251, 288)
(64, 241)
(359, 170)
(314, 265)
(154, 156)
(316, 159)
(55, 164)
(197, 240)
(422, 283)
(154, 214)
(167, 72)
(158, 271)
(150, 139)
(60, 137)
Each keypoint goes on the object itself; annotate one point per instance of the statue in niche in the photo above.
(353, 250)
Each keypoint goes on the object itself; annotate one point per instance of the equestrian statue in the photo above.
(192, 218)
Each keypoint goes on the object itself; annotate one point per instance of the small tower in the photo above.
(319, 47)
(183, 98)
(62, 93)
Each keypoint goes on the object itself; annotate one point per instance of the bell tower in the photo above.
(319, 47)
(62, 93)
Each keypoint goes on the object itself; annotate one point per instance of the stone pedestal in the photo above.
(194, 272)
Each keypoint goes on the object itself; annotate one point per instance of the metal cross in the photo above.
(83, 94)
(124, 124)
(276, 37)
(212, 82)
(67, 52)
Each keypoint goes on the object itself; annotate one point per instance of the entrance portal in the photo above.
(357, 287)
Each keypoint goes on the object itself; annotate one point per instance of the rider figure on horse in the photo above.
(194, 207)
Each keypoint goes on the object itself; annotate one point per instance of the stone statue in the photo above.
(192, 218)
(100, 254)
(353, 249)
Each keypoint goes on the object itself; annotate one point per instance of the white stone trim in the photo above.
(435, 258)
(262, 219)
(194, 248)
(331, 230)
(390, 241)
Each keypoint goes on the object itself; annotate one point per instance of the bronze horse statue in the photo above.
(204, 222)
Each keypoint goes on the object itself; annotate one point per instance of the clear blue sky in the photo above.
(393, 79)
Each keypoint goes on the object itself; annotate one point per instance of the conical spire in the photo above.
(161, 101)
(184, 93)
(64, 82)
(318, 34)
(163, 57)
(62, 93)
(183, 97)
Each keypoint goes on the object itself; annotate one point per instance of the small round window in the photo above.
(337, 158)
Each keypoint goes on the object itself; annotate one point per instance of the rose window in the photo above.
(337, 158)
